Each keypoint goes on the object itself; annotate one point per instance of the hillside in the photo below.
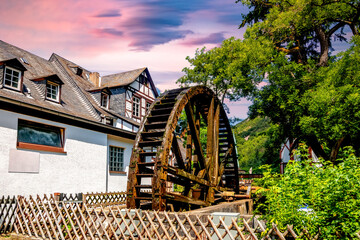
(256, 144)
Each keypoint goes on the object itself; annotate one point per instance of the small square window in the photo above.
(52, 91)
(105, 100)
(12, 78)
(116, 159)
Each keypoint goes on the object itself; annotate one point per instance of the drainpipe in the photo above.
(107, 165)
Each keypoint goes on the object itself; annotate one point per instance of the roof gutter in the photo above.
(40, 112)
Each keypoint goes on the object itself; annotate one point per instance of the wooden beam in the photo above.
(210, 150)
(195, 134)
(184, 174)
(188, 150)
(210, 135)
(188, 158)
(216, 144)
(177, 152)
(250, 176)
(132, 180)
(177, 180)
(184, 199)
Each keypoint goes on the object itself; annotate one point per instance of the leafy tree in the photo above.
(303, 29)
(328, 192)
(334, 104)
(288, 45)
(229, 69)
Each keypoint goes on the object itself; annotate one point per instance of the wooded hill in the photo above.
(255, 144)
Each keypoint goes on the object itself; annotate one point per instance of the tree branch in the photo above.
(335, 28)
(288, 51)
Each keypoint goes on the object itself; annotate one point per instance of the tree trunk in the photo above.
(324, 46)
(335, 149)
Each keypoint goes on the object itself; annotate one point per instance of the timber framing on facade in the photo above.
(64, 128)
(67, 92)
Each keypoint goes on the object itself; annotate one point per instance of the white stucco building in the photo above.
(66, 129)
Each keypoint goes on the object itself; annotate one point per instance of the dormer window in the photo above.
(105, 100)
(79, 71)
(50, 86)
(12, 78)
(52, 91)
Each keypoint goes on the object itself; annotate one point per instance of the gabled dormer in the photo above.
(12, 74)
(50, 87)
(102, 96)
(105, 98)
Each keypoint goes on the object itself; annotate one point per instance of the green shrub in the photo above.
(331, 193)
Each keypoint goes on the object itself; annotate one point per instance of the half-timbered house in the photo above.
(64, 128)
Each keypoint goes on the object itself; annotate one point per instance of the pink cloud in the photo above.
(101, 34)
(213, 38)
(62, 26)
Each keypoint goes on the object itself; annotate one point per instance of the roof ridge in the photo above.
(77, 89)
(23, 50)
(138, 69)
(65, 59)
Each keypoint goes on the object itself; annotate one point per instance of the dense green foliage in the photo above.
(286, 65)
(330, 192)
(256, 144)
(311, 95)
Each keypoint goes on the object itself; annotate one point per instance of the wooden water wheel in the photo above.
(165, 158)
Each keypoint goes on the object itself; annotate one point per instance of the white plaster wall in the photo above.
(151, 94)
(81, 169)
(118, 123)
(116, 181)
(128, 106)
(285, 154)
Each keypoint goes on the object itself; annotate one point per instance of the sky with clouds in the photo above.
(110, 36)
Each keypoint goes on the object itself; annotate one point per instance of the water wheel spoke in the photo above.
(184, 174)
(188, 151)
(210, 136)
(195, 135)
(177, 152)
(216, 144)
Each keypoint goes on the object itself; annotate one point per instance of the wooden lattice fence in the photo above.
(47, 218)
(7, 213)
(104, 199)
(66, 197)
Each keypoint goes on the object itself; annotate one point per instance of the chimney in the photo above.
(95, 78)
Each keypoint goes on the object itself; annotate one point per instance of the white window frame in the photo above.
(136, 107)
(116, 158)
(52, 86)
(107, 97)
(147, 106)
(12, 76)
